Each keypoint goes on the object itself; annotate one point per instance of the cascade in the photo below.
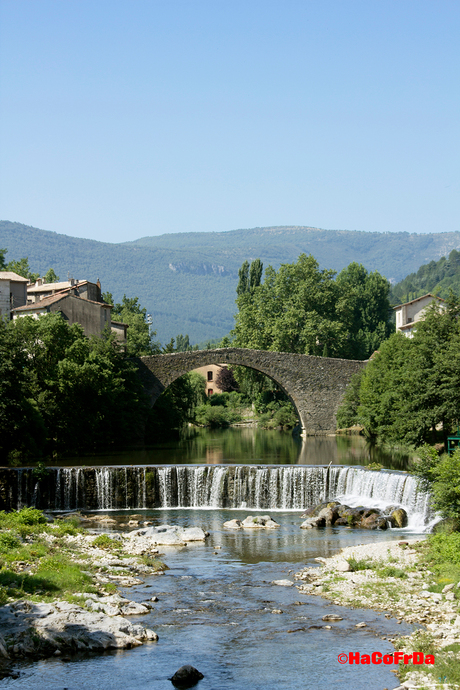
(252, 487)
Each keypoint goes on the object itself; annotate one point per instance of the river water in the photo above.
(215, 603)
(250, 446)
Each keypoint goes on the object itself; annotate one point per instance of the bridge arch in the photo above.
(315, 385)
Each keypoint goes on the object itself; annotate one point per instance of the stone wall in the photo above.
(315, 385)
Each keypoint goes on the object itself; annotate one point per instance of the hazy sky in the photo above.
(126, 118)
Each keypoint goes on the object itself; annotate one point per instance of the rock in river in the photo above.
(186, 677)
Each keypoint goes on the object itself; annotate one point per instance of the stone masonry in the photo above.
(315, 385)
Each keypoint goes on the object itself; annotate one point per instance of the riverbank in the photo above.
(394, 577)
(59, 585)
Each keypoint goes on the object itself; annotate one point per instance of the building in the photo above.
(210, 373)
(81, 288)
(92, 316)
(77, 302)
(13, 292)
(408, 314)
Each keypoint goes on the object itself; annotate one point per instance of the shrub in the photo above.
(360, 564)
(103, 541)
(8, 541)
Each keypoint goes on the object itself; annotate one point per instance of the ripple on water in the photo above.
(233, 637)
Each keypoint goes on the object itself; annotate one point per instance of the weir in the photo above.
(248, 487)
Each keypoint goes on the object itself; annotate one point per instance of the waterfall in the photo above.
(249, 487)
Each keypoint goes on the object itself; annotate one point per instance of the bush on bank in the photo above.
(440, 475)
(409, 392)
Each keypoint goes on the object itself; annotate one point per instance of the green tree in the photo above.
(139, 337)
(293, 310)
(3, 253)
(50, 276)
(183, 343)
(412, 386)
(66, 392)
(363, 305)
(347, 414)
(243, 279)
(176, 406)
(22, 268)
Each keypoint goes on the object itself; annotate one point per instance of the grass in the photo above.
(103, 541)
(154, 563)
(441, 555)
(380, 569)
(360, 564)
(35, 566)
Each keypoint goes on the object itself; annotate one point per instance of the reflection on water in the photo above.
(251, 446)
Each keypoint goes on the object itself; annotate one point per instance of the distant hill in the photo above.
(438, 277)
(187, 281)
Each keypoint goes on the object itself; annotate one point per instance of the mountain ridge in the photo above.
(187, 281)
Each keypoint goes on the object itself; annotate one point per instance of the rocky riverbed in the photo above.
(390, 576)
(91, 621)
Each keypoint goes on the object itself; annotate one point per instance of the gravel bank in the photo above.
(381, 587)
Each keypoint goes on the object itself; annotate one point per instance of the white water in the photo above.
(248, 487)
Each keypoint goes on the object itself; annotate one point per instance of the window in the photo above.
(409, 320)
(210, 375)
(210, 391)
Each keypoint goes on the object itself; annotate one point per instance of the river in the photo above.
(217, 608)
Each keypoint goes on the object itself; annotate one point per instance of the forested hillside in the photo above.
(187, 281)
(437, 276)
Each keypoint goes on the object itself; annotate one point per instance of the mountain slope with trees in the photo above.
(438, 277)
(187, 281)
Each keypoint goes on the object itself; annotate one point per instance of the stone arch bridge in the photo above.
(315, 385)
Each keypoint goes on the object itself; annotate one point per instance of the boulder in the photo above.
(373, 521)
(332, 617)
(329, 513)
(342, 522)
(43, 629)
(283, 583)
(170, 535)
(134, 609)
(343, 566)
(398, 518)
(233, 524)
(186, 677)
(259, 522)
(312, 522)
(314, 511)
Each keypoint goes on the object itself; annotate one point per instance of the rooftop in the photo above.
(9, 275)
(417, 299)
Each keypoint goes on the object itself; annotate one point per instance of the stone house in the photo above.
(92, 316)
(77, 302)
(81, 288)
(408, 314)
(13, 292)
(210, 373)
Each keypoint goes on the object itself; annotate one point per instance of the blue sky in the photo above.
(120, 119)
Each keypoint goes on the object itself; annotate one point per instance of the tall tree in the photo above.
(139, 337)
(412, 386)
(363, 305)
(50, 276)
(243, 279)
(255, 274)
